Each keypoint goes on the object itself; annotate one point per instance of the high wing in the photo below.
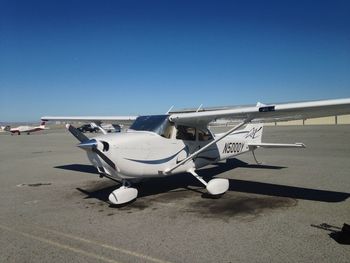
(267, 113)
(96, 119)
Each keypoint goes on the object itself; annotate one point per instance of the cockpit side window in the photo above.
(204, 135)
(186, 133)
(159, 124)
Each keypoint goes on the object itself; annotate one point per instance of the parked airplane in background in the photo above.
(110, 127)
(178, 142)
(25, 129)
(107, 127)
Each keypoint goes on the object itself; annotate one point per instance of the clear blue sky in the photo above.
(141, 57)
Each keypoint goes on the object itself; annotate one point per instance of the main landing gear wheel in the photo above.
(215, 187)
(123, 194)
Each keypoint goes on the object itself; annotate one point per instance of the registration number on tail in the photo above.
(233, 147)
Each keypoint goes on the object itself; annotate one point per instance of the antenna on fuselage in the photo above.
(169, 109)
(200, 106)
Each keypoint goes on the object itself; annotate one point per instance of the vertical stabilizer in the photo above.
(254, 132)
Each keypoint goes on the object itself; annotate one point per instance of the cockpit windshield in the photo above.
(159, 124)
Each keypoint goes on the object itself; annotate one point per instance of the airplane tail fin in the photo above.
(7, 128)
(254, 132)
(254, 135)
(42, 125)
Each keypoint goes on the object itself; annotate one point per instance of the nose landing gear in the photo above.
(123, 194)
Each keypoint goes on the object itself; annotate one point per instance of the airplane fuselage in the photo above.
(140, 154)
(24, 129)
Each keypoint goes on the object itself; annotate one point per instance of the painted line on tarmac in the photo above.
(59, 245)
(122, 250)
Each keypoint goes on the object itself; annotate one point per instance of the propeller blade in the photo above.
(86, 143)
(76, 133)
(104, 157)
(92, 145)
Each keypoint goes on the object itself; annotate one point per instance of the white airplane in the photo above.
(25, 129)
(108, 127)
(164, 145)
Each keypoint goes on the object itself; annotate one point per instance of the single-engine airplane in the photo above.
(179, 142)
(25, 129)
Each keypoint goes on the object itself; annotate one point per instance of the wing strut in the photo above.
(170, 109)
(169, 170)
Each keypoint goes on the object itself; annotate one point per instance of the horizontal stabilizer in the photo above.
(276, 145)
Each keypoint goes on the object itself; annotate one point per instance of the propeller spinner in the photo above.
(89, 144)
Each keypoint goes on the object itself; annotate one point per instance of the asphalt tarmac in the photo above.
(54, 207)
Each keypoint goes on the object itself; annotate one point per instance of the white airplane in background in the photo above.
(108, 127)
(164, 145)
(25, 129)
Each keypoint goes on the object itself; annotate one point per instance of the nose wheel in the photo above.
(123, 194)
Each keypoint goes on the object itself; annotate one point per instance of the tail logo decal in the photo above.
(253, 133)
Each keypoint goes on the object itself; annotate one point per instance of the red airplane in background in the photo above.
(25, 129)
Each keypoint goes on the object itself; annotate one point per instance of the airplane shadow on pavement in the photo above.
(85, 168)
(188, 183)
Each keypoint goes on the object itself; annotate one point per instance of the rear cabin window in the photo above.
(186, 133)
(204, 135)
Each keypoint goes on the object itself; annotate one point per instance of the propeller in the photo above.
(76, 133)
(91, 144)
